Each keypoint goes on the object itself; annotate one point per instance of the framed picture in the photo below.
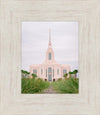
(36, 31)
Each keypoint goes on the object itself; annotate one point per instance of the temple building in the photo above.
(50, 70)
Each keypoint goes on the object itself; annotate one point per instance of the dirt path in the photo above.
(50, 90)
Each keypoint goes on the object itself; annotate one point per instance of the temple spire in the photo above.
(49, 37)
(49, 34)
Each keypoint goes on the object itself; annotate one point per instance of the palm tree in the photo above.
(75, 72)
(70, 74)
(25, 73)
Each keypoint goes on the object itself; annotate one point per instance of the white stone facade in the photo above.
(50, 70)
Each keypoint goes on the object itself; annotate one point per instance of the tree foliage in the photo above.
(65, 75)
(34, 75)
(25, 73)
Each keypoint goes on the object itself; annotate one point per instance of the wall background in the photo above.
(12, 14)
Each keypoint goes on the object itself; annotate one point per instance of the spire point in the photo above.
(49, 37)
(49, 34)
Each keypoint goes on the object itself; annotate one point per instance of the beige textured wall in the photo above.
(12, 13)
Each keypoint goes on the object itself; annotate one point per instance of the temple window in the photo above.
(49, 70)
(41, 71)
(57, 71)
(34, 71)
(64, 71)
(49, 56)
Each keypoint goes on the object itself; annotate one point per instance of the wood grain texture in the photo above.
(12, 13)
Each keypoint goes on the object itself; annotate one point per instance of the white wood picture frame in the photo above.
(87, 13)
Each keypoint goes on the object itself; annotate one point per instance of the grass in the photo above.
(32, 85)
(69, 85)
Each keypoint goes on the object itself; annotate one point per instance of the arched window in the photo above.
(49, 56)
(49, 70)
(50, 74)
(34, 71)
(41, 71)
(64, 71)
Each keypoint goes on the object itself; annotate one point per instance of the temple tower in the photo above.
(50, 52)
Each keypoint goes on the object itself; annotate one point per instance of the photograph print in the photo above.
(50, 58)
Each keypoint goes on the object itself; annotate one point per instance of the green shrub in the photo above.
(65, 75)
(32, 85)
(39, 79)
(59, 79)
(67, 86)
(34, 75)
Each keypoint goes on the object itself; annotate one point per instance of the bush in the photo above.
(65, 75)
(39, 79)
(67, 86)
(34, 75)
(59, 79)
(32, 85)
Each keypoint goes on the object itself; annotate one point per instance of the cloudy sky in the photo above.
(35, 38)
